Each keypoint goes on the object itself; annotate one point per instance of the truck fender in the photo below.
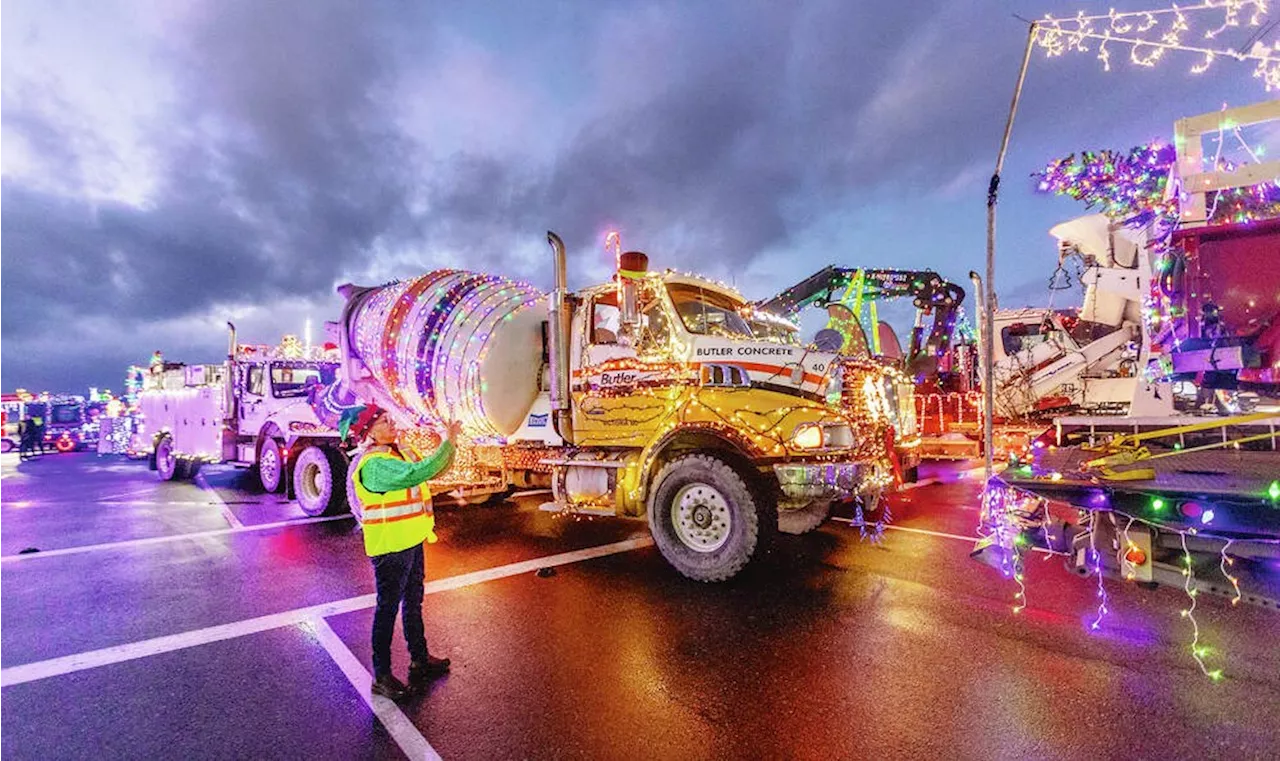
(692, 437)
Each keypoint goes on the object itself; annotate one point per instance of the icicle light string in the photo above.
(1096, 558)
(1222, 565)
(1059, 36)
(1198, 651)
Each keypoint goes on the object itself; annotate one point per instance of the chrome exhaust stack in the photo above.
(230, 399)
(558, 342)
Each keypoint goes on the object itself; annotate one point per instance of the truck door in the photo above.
(619, 395)
(253, 408)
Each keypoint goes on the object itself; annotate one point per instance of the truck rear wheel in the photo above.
(167, 465)
(353, 503)
(319, 478)
(705, 518)
(271, 466)
(802, 520)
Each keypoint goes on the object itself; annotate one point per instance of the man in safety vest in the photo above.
(397, 519)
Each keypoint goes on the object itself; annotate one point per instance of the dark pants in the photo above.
(399, 577)
(27, 444)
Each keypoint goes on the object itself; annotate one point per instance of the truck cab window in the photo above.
(655, 328)
(290, 380)
(1022, 336)
(605, 319)
(255, 382)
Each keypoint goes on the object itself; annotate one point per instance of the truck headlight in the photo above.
(822, 436)
(807, 436)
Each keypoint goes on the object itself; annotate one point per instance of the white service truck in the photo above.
(251, 411)
(1087, 361)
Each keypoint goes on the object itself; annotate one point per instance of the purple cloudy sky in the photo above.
(168, 166)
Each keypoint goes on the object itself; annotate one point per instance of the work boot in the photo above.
(389, 687)
(421, 673)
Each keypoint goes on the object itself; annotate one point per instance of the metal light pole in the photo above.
(989, 297)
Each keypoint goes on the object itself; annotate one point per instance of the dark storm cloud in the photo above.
(712, 134)
(277, 169)
(755, 113)
(293, 105)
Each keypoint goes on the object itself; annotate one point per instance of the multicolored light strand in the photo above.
(1131, 188)
(1096, 558)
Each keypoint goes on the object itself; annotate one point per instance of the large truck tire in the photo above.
(802, 520)
(706, 519)
(319, 481)
(271, 465)
(353, 504)
(168, 466)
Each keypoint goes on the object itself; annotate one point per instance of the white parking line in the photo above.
(124, 494)
(171, 538)
(402, 730)
(30, 672)
(26, 504)
(925, 531)
(222, 506)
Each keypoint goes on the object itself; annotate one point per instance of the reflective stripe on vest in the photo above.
(394, 512)
(394, 520)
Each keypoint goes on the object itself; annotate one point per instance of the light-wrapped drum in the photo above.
(453, 345)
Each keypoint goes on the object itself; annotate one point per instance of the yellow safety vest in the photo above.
(394, 520)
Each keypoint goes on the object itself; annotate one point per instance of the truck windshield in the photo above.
(708, 313)
(66, 414)
(774, 330)
(292, 380)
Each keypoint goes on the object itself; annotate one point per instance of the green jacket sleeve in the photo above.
(384, 474)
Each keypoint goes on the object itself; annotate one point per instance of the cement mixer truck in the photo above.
(648, 397)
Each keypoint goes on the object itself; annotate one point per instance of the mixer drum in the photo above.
(453, 345)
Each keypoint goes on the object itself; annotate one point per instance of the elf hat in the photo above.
(356, 421)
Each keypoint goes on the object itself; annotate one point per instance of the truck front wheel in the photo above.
(319, 478)
(705, 518)
(166, 461)
(271, 465)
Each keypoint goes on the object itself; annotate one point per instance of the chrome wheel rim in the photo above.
(165, 459)
(313, 481)
(269, 465)
(700, 515)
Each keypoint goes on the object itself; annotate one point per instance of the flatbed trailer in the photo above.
(1150, 506)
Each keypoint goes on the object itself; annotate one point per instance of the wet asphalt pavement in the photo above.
(208, 620)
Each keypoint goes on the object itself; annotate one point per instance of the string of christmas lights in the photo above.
(1096, 559)
(1008, 513)
(1198, 651)
(1150, 34)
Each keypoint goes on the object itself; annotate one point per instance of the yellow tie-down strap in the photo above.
(1125, 450)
